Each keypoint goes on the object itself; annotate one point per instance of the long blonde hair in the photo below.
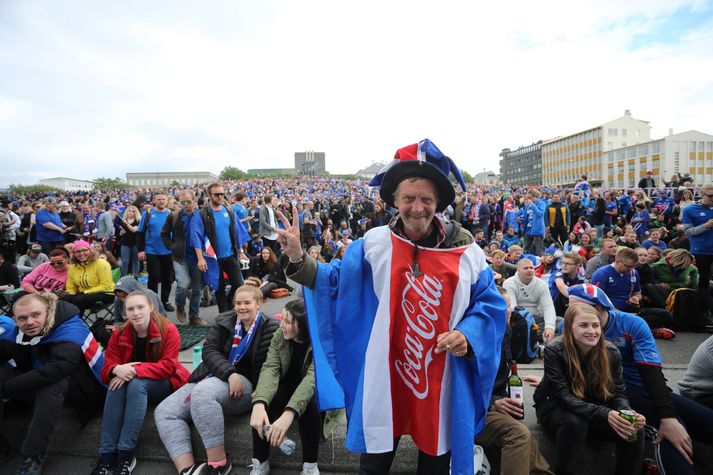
(599, 378)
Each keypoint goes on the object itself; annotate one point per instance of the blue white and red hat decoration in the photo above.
(590, 294)
(421, 159)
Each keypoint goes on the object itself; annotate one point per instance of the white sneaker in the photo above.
(310, 469)
(260, 468)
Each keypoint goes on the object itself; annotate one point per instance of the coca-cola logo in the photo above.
(420, 302)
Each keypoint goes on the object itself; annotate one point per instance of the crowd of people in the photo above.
(602, 272)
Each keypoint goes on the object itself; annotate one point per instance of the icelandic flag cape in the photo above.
(73, 330)
(211, 276)
(374, 324)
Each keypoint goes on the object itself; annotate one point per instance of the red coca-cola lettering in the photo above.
(420, 333)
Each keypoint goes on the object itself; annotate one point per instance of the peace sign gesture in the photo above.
(289, 238)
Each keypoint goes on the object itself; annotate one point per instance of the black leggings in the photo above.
(85, 301)
(655, 296)
(571, 432)
(310, 426)
(160, 269)
(231, 267)
(380, 464)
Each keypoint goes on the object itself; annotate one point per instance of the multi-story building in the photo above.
(167, 178)
(522, 166)
(310, 163)
(688, 152)
(485, 178)
(565, 159)
(68, 184)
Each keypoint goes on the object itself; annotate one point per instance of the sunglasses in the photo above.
(56, 263)
(186, 202)
(218, 194)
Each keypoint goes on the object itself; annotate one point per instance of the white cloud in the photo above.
(97, 89)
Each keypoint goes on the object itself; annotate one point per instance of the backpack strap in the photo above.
(452, 229)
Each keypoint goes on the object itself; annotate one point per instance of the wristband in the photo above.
(298, 261)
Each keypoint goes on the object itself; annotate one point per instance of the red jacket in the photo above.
(121, 348)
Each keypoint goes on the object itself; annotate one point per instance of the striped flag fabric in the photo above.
(374, 335)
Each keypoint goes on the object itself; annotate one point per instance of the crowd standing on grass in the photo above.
(593, 277)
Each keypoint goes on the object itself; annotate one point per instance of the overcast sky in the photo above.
(99, 88)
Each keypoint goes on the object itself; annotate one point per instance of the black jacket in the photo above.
(219, 341)
(206, 215)
(555, 388)
(57, 360)
(277, 275)
(174, 237)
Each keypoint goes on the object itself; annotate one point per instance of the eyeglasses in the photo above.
(186, 202)
(569, 264)
(218, 194)
(56, 263)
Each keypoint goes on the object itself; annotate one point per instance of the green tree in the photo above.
(467, 176)
(28, 189)
(102, 183)
(232, 173)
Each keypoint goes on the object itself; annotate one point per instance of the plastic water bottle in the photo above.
(197, 356)
(287, 446)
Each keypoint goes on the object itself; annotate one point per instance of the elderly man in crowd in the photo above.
(414, 321)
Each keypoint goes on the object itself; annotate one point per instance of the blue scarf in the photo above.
(242, 339)
(74, 331)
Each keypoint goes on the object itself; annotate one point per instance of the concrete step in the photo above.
(69, 440)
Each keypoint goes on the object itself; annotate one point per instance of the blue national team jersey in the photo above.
(632, 337)
(224, 246)
(568, 281)
(695, 215)
(618, 287)
(154, 244)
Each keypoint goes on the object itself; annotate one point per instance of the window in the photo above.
(709, 146)
(623, 132)
(643, 150)
(692, 146)
(610, 145)
(656, 147)
(637, 133)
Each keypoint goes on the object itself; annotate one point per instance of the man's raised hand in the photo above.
(289, 238)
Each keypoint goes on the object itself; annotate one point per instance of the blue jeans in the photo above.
(129, 255)
(124, 412)
(189, 282)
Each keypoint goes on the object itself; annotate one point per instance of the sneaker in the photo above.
(222, 470)
(103, 468)
(196, 321)
(260, 468)
(125, 466)
(310, 469)
(6, 452)
(181, 315)
(663, 333)
(168, 307)
(31, 465)
(195, 469)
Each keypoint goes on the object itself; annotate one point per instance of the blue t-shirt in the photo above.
(568, 281)
(152, 238)
(610, 206)
(241, 213)
(224, 247)
(695, 215)
(632, 337)
(649, 243)
(618, 287)
(640, 222)
(44, 234)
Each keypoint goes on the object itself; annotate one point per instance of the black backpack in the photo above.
(523, 340)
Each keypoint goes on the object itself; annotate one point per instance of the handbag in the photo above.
(279, 293)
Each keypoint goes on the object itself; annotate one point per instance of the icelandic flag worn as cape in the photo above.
(374, 324)
(73, 330)
(211, 276)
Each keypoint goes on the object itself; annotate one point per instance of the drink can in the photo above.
(629, 415)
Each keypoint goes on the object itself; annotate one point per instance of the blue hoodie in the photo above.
(535, 218)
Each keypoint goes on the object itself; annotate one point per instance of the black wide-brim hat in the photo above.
(423, 160)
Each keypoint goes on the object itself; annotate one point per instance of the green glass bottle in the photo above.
(515, 387)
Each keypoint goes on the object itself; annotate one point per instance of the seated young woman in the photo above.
(140, 366)
(285, 392)
(89, 278)
(582, 392)
(233, 354)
